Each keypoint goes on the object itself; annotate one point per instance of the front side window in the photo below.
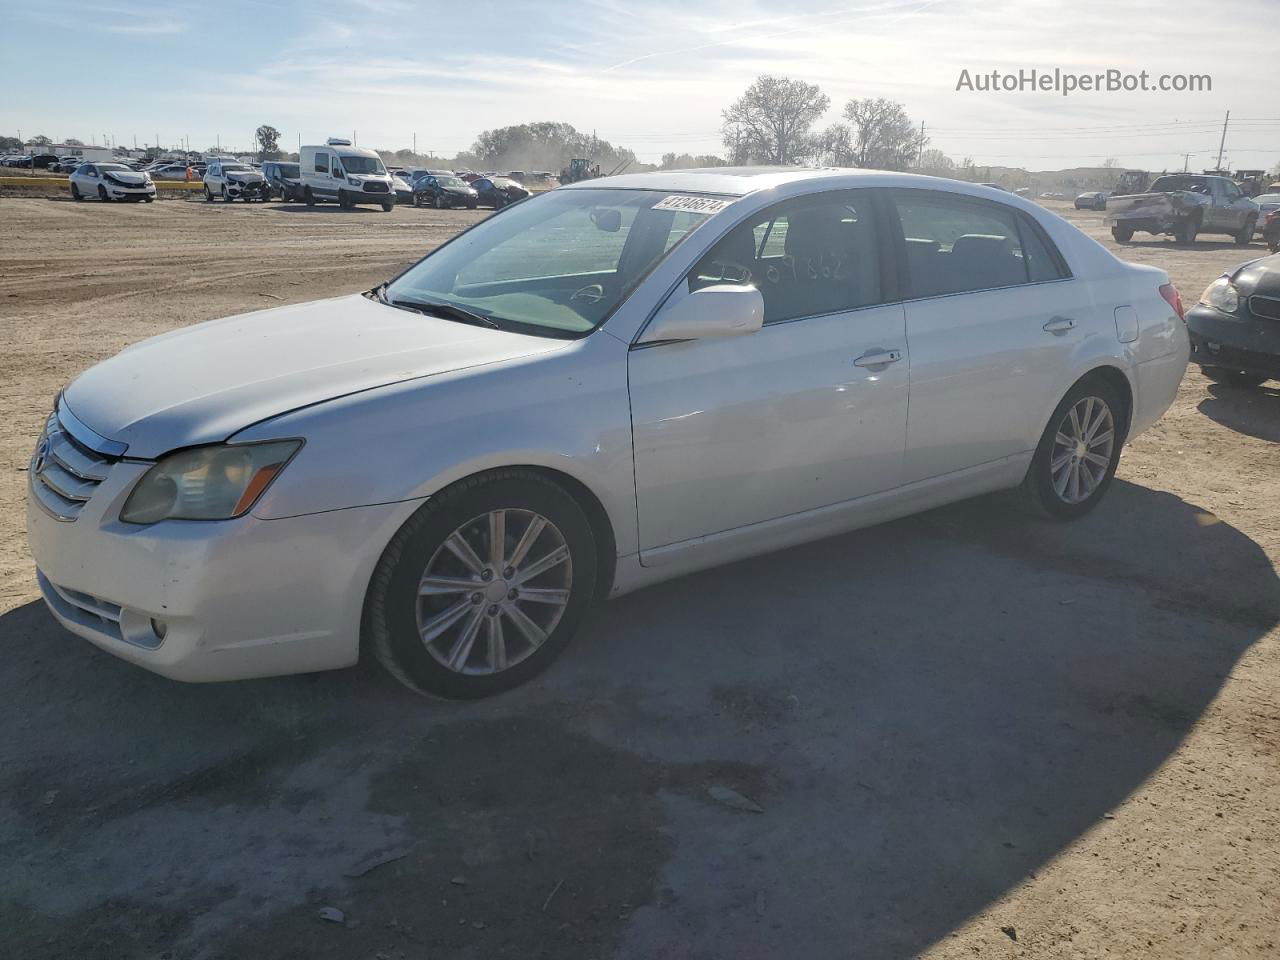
(557, 265)
(957, 245)
(809, 256)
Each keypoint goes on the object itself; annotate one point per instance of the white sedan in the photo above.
(602, 387)
(110, 181)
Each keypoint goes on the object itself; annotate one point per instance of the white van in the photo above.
(339, 172)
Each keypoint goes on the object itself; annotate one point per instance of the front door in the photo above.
(806, 412)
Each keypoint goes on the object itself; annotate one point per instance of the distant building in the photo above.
(91, 154)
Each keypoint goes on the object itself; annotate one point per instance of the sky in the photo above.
(652, 76)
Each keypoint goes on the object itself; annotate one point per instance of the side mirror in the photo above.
(606, 219)
(722, 310)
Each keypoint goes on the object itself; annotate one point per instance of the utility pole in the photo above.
(1223, 142)
(415, 144)
(1186, 161)
(920, 151)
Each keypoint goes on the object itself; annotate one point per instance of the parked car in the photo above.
(1235, 328)
(695, 367)
(65, 164)
(443, 191)
(110, 181)
(1267, 203)
(171, 171)
(232, 180)
(283, 179)
(41, 161)
(337, 171)
(1093, 200)
(497, 192)
(402, 189)
(1185, 205)
(1271, 231)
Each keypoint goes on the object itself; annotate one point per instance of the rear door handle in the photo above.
(1059, 325)
(878, 358)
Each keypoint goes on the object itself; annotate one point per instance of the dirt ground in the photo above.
(969, 734)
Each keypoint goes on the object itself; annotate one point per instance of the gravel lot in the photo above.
(970, 734)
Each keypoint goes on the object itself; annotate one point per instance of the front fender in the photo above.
(566, 411)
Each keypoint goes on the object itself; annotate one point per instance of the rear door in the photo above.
(806, 412)
(993, 316)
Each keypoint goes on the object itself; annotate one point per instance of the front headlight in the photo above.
(207, 483)
(353, 181)
(1222, 295)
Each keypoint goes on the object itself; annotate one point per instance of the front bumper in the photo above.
(203, 601)
(247, 190)
(1247, 343)
(116, 192)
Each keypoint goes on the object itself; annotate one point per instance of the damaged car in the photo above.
(232, 180)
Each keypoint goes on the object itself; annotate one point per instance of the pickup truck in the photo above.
(1184, 205)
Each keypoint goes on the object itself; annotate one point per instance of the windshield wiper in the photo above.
(441, 308)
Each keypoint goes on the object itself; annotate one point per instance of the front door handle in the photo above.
(878, 358)
(1059, 325)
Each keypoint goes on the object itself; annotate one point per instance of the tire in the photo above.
(395, 613)
(225, 197)
(1122, 234)
(102, 194)
(208, 194)
(148, 199)
(1050, 492)
(308, 197)
(1273, 246)
(387, 207)
(417, 201)
(1244, 237)
(471, 205)
(75, 193)
(1188, 230)
(343, 200)
(1233, 378)
(441, 203)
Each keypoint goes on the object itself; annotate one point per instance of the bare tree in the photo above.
(268, 138)
(879, 134)
(770, 123)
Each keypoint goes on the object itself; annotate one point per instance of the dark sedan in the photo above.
(497, 192)
(443, 191)
(1235, 328)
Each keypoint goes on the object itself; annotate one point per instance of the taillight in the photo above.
(1174, 299)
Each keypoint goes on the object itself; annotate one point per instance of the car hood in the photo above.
(203, 383)
(127, 176)
(244, 176)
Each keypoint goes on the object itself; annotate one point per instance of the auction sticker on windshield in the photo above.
(707, 205)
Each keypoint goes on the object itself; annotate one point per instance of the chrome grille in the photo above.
(1267, 307)
(64, 472)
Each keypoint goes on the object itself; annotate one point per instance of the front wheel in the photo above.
(417, 200)
(1246, 235)
(1188, 230)
(1122, 234)
(483, 587)
(309, 197)
(75, 193)
(1078, 453)
(102, 194)
(388, 206)
(1233, 378)
(441, 203)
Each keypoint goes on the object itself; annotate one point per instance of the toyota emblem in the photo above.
(41, 457)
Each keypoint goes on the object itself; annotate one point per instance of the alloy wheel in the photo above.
(1082, 450)
(494, 591)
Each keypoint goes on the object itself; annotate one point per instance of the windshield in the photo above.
(362, 165)
(235, 167)
(113, 166)
(450, 182)
(288, 169)
(558, 264)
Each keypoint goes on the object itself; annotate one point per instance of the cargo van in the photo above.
(340, 173)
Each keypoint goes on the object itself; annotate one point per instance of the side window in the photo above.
(956, 245)
(321, 162)
(1042, 259)
(1231, 191)
(809, 256)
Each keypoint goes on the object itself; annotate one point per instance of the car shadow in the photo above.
(1254, 411)
(927, 712)
(293, 207)
(1165, 242)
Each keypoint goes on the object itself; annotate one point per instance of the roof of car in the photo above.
(740, 181)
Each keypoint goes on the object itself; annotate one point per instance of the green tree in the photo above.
(39, 141)
(268, 138)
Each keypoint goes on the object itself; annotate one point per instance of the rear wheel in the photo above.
(1122, 234)
(1078, 452)
(483, 587)
(1246, 235)
(1233, 378)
